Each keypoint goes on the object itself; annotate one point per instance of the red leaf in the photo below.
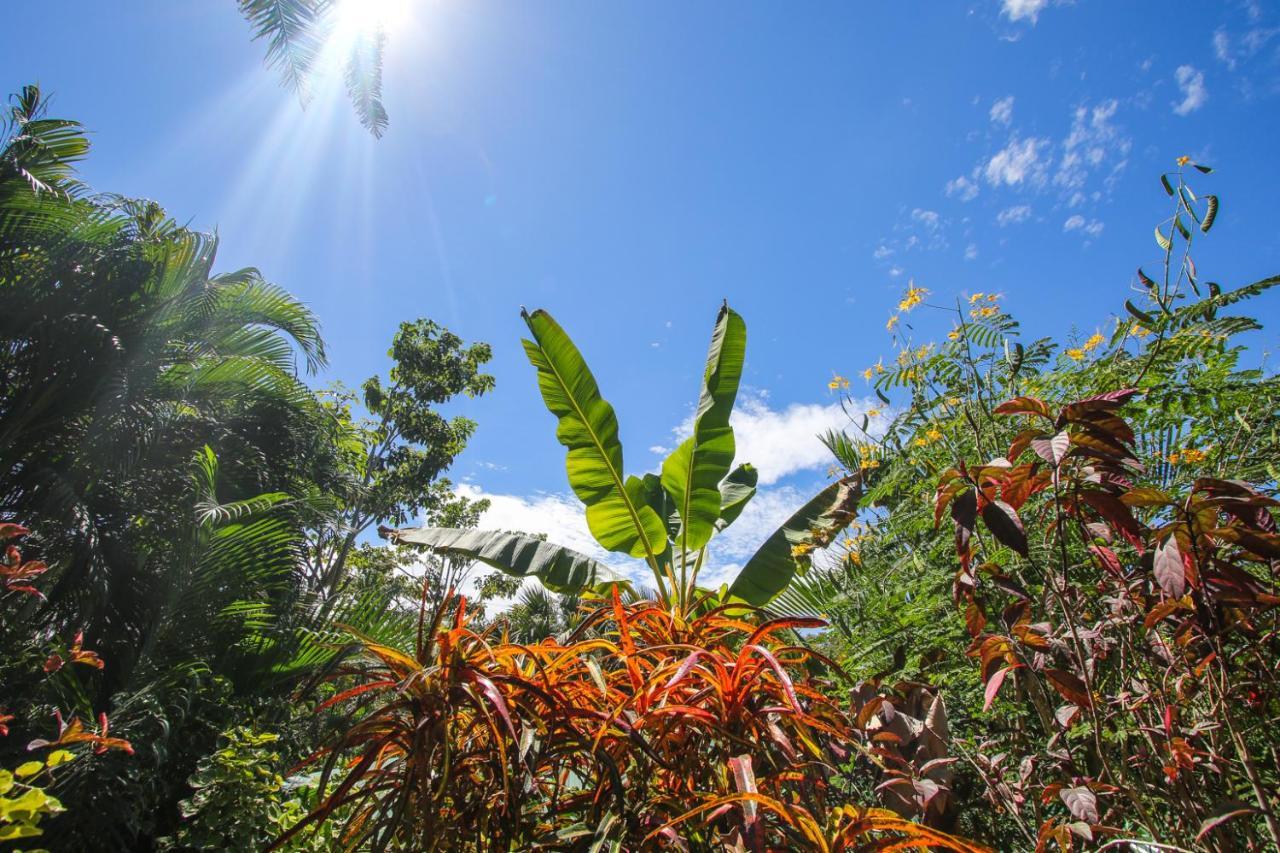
(1024, 406)
(1221, 814)
(1082, 802)
(1052, 450)
(1070, 686)
(993, 686)
(1170, 573)
(1109, 401)
(1003, 522)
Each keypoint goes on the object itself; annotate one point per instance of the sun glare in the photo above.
(354, 19)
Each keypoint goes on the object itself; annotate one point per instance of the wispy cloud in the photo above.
(1094, 144)
(1076, 222)
(971, 252)
(1002, 111)
(962, 188)
(1013, 215)
(1018, 162)
(1191, 85)
(1018, 10)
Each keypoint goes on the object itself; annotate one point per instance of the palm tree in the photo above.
(121, 355)
(296, 32)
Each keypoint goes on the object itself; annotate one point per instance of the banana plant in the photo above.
(668, 520)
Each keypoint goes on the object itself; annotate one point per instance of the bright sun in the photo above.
(353, 19)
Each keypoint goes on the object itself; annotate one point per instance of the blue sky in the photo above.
(629, 165)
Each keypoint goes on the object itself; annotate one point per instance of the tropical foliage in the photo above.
(1035, 607)
(1078, 545)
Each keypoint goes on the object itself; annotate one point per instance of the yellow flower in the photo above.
(934, 434)
(1192, 456)
(1173, 459)
(953, 401)
(870, 463)
(1183, 160)
(1075, 354)
(904, 356)
(954, 334)
(873, 413)
(879, 365)
(837, 382)
(976, 298)
(855, 558)
(921, 441)
(893, 321)
(914, 296)
(1093, 342)
(994, 297)
(1139, 331)
(988, 312)
(868, 373)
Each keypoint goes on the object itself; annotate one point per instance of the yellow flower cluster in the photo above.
(1094, 342)
(1184, 160)
(873, 370)
(954, 334)
(838, 383)
(1075, 354)
(873, 413)
(866, 457)
(979, 297)
(892, 324)
(1188, 456)
(913, 297)
(931, 435)
(1139, 331)
(853, 544)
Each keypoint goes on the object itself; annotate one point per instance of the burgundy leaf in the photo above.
(1003, 522)
(1052, 450)
(1082, 802)
(1169, 571)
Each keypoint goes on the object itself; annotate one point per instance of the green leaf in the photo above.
(1210, 214)
(692, 473)
(558, 568)
(1202, 169)
(617, 514)
(1182, 229)
(1139, 313)
(1168, 187)
(813, 526)
(1162, 240)
(736, 491)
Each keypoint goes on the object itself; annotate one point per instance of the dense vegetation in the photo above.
(1038, 609)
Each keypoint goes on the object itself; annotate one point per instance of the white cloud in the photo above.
(1092, 227)
(782, 442)
(1194, 93)
(882, 251)
(1013, 215)
(1094, 144)
(1002, 111)
(1018, 162)
(963, 188)
(1222, 49)
(1017, 10)
(927, 218)
(971, 252)
(895, 271)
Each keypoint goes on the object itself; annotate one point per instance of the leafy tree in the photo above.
(386, 468)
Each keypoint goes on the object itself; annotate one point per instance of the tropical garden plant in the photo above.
(1090, 531)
